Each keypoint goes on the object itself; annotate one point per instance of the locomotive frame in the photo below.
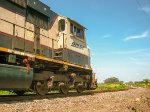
(41, 50)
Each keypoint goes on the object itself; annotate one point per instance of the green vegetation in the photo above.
(144, 83)
(3, 92)
(6, 92)
(112, 84)
(112, 87)
(111, 80)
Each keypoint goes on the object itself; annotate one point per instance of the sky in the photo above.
(118, 35)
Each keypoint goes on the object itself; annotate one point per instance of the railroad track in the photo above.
(32, 97)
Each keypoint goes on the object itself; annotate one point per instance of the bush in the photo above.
(111, 80)
(112, 87)
(144, 83)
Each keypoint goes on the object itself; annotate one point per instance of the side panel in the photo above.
(55, 44)
(15, 77)
(18, 40)
(61, 40)
(6, 27)
(5, 41)
(19, 32)
(29, 38)
(12, 7)
(76, 58)
(44, 32)
(12, 23)
(29, 26)
(53, 31)
(76, 44)
(7, 15)
(46, 45)
(6, 30)
(20, 20)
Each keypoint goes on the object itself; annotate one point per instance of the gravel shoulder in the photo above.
(133, 100)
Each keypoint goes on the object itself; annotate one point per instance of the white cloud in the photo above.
(106, 36)
(133, 59)
(143, 61)
(140, 36)
(146, 9)
(127, 52)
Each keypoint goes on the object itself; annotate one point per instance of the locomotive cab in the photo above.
(72, 40)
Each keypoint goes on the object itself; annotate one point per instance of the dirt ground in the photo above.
(133, 100)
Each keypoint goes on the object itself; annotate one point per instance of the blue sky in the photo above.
(118, 35)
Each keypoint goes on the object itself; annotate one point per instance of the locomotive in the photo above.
(41, 50)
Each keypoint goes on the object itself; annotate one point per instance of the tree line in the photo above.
(112, 80)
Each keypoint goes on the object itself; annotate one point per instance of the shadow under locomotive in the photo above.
(33, 97)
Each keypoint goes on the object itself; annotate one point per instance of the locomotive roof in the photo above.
(76, 23)
(34, 4)
(73, 21)
(41, 7)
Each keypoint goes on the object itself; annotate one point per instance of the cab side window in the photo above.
(71, 28)
(77, 31)
(61, 26)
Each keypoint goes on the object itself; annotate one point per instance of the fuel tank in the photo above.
(15, 77)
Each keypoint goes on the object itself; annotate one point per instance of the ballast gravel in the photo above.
(133, 100)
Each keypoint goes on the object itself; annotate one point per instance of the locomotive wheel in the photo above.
(41, 88)
(19, 93)
(80, 88)
(63, 88)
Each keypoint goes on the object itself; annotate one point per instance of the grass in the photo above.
(144, 84)
(140, 84)
(111, 87)
(2, 92)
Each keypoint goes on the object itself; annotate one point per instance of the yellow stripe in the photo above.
(47, 59)
(90, 69)
(4, 49)
(66, 63)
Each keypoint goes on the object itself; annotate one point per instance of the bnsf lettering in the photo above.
(74, 44)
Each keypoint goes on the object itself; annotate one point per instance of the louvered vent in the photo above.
(22, 3)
